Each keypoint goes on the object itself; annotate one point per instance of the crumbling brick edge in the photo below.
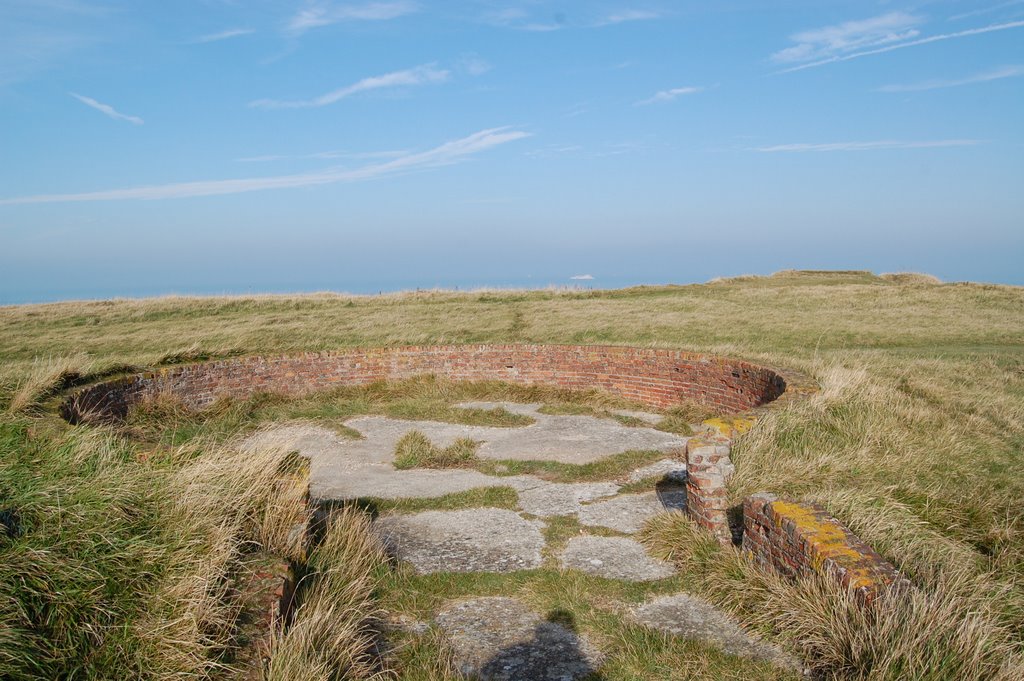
(798, 539)
(794, 538)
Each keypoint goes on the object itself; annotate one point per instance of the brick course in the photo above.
(798, 539)
(656, 377)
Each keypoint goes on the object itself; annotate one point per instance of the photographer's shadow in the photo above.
(554, 653)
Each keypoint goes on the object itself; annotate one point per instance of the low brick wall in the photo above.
(658, 378)
(798, 539)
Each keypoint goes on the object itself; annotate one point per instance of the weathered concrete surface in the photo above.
(471, 540)
(344, 468)
(696, 619)
(628, 513)
(500, 639)
(568, 439)
(614, 558)
(645, 416)
(669, 470)
(543, 498)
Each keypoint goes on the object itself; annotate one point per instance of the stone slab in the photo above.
(669, 470)
(545, 499)
(628, 513)
(500, 639)
(567, 439)
(345, 468)
(614, 558)
(470, 540)
(695, 619)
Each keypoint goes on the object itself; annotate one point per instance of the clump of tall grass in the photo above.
(333, 634)
(112, 566)
(44, 378)
(234, 502)
(415, 450)
(937, 632)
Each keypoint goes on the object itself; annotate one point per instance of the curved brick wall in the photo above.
(658, 378)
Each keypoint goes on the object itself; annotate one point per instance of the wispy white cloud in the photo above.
(625, 16)
(868, 146)
(420, 75)
(107, 109)
(984, 77)
(828, 41)
(518, 18)
(669, 95)
(523, 19)
(323, 155)
(224, 35)
(317, 14)
(582, 277)
(985, 10)
(909, 43)
(446, 154)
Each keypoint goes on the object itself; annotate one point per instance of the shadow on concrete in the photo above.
(671, 493)
(554, 653)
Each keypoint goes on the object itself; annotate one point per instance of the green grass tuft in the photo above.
(415, 450)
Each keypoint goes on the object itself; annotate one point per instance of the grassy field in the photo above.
(119, 546)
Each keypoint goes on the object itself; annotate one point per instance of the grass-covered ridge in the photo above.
(916, 441)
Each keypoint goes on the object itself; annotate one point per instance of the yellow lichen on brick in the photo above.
(730, 427)
(828, 541)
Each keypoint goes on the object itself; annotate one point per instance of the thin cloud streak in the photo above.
(669, 95)
(626, 16)
(107, 109)
(911, 43)
(446, 154)
(420, 75)
(986, 10)
(323, 155)
(322, 14)
(996, 74)
(849, 36)
(224, 35)
(519, 19)
(866, 146)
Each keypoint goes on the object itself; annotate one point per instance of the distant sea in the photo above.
(14, 296)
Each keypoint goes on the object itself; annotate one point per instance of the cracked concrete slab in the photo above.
(695, 619)
(500, 639)
(545, 499)
(669, 470)
(614, 558)
(345, 468)
(628, 513)
(470, 540)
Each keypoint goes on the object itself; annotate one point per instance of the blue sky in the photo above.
(220, 146)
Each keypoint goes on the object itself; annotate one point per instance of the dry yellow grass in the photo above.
(231, 502)
(945, 630)
(43, 377)
(332, 634)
